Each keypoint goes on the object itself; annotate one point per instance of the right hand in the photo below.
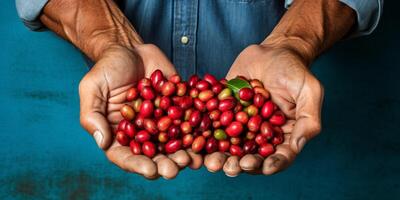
(102, 93)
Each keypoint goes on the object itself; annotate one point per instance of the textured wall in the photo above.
(45, 154)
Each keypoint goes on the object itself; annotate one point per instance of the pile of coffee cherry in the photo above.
(206, 115)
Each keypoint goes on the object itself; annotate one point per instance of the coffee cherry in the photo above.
(220, 134)
(226, 118)
(198, 143)
(205, 123)
(251, 110)
(195, 118)
(142, 136)
(130, 130)
(206, 95)
(148, 93)
(150, 126)
(139, 122)
(210, 79)
(216, 124)
(234, 129)
(155, 77)
(187, 140)
(199, 105)
(278, 118)
(224, 94)
(193, 80)
(163, 137)
(211, 145)
(175, 112)
(250, 147)
(181, 89)
(226, 104)
(175, 79)
(194, 93)
(246, 94)
(267, 109)
(236, 150)
(266, 149)
(254, 123)
(214, 115)
(136, 104)
(186, 128)
(256, 83)
(174, 131)
(242, 117)
(164, 123)
(250, 135)
(142, 83)
(217, 88)
(258, 100)
(122, 138)
(158, 113)
(202, 85)
(173, 146)
(146, 109)
(122, 125)
(266, 130)
(223, 145)
(262, 91)
(132, 94)
(168, 89)
(260, 139)
(127, 112)
(148, 149)
(235, 140)
(135, 147)
(206, 133)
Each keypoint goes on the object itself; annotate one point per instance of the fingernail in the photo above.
(98, 137)
(276, 163)
(300, 144)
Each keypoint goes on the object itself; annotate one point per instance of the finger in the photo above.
(97, 125)
(123, 158)
(92, 107)
(251, 162)
(166, 167)
(181, 158)
(231, 166)
(288, 126)
(196, 159)
(215, 161)
(280, 160)
(287, 107)
(308, 114)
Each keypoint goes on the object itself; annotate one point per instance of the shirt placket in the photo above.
(184, 36)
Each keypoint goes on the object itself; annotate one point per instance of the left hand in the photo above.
(297, 93)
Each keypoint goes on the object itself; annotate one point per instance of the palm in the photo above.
(103, 93)
(292, 87)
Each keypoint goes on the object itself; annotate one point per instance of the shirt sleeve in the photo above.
(368, 14)
(29, 11)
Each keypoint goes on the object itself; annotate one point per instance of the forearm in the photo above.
(311, 26)
(91, 25)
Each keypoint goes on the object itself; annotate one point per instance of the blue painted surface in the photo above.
(45, 154)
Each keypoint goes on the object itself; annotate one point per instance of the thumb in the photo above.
(97, 125)
(308, 115)
(93, 106)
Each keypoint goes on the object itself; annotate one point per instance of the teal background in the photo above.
(45, 154)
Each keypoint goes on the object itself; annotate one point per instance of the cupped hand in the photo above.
(297, 93)
(102, 93)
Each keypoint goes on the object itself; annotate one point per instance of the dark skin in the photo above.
(281, 62)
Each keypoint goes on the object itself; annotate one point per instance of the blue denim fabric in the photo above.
(217, 30)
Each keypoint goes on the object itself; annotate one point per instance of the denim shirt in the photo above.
(202, 36)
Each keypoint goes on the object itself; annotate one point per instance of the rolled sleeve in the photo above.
(368, 14)
(29, 11)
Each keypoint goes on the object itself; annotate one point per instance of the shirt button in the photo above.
(184, 39)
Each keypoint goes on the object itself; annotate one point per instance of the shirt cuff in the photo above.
(29, 11)
(368, 14)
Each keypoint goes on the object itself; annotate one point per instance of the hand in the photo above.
(294, 89)
(102, 93)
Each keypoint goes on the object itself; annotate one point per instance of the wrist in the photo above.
(307, 50)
